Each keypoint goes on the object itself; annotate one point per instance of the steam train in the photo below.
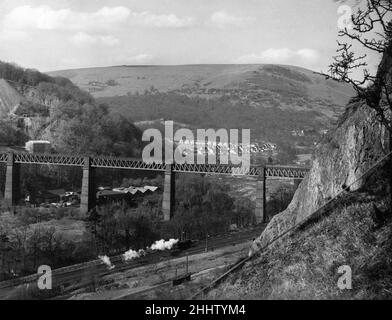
(181, 246)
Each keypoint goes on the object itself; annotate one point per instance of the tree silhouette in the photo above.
(371, 29)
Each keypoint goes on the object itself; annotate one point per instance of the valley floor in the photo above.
(154, 281)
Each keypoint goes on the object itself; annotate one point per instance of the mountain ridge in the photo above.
(188, 79)
(274, 101)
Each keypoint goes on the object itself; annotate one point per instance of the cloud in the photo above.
(85, 39)
(308, 54)
(82, 39)
(164, 20)
(109, 41)
(222, 19)
(305, 56)
(46, 18)
(143, 58)
(14, 36)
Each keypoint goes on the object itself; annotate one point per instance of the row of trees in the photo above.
(204, 206)
(26, 244)
(117, 227)
(13, 72)
(92, 129)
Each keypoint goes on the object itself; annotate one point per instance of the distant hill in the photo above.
(263, 85)
(286, 105)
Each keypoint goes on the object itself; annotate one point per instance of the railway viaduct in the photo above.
(13, 162)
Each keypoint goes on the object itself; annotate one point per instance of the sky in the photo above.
(65, 34)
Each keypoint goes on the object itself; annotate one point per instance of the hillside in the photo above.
(55, 109)
(288, 106)
(120, 80)
(263, 85)
(305, 265)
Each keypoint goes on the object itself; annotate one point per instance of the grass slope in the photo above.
(305, 265)
(263, 84)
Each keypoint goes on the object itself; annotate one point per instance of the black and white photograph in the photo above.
(195, 155)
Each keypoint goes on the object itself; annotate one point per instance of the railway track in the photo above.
(84, 274)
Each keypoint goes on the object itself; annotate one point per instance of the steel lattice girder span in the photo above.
(138, 164)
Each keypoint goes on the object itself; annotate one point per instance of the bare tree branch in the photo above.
(372, 29)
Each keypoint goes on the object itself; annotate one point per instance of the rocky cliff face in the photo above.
(33, 95)
(356, 144)
(13, 96)
(10, 99)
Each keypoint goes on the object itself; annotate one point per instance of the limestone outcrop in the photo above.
(10, 99)
(340, 161)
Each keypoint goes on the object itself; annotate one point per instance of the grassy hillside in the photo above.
(305, 265)
(270, 82)
(285, 105)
